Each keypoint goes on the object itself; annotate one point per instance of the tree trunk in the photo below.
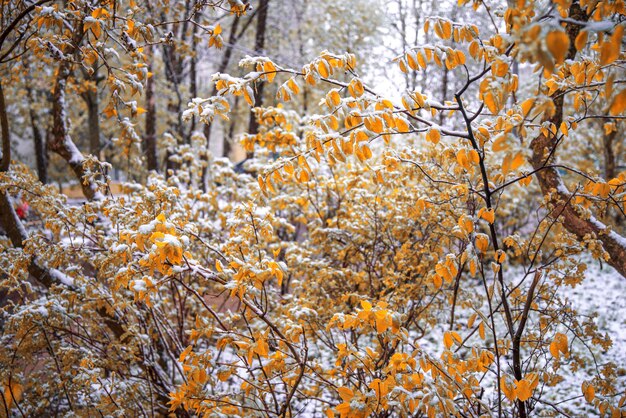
(90, 96)
(41, 154)
(193, 77)
(150, 141)
(609, 155)
(574, 219)
(60, 140)
(4, 127)
(233, 36)
(93, 119)
(259, 46)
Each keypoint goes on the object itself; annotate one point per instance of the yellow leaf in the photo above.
(185, 353)
(523, 391)
(223, 375)
(559, 345)
(439, 29)
(608, 53)
(402, 66)
(474, 49)
(443, 271)
(433, 136)
(588, 391)
(401, 125)
(508, 390)
(262, 184)
(470, 321)
(218, 266)
(610, 49)
(293, 86)
(517, 161)
(322, 68)
(270, 69)
(366, 151)
(303, 176)
(487, 214)
(410, 59)
(499, 68)
(421, 60)
(334, 97)
(262, 348)
(558, 44)
(447, 29)
(619, 103)
(473, 156)
(499, 144)
(460, 56)
(380, 387)
(90, 57)
(490, 102)
(461, 158)
(437, 281)
(382, 321)
(466, 224)
(526, 106)
(482, 242)
(248, 94)
(14, 391)
(345, 393)
(581, 40)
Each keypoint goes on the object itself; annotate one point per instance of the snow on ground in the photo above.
(603, 292)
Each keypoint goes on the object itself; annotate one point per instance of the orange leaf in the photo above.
(558, 44)
(581, 40)
(345, 393)
(619, 104)
(523, 391)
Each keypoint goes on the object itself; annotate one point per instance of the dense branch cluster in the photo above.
(374, 255)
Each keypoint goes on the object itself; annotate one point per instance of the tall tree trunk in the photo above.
(231, 131)
(4, 128)
(93, 118)
(90, 96)
(150, 140)
(60, 140)
(609, 154)
(417, 7)
(41, 154)
(173, 62)
(259, 46)
(403, 36)
(233, 36)
(193, 77)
